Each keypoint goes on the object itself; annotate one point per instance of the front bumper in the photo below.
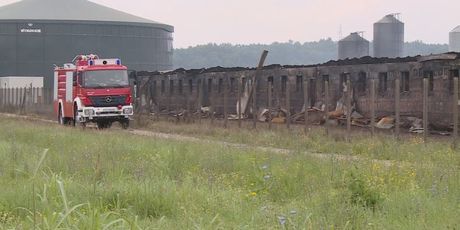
(91, 113)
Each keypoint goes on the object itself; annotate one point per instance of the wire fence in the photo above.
(238, 106)
(26, 99)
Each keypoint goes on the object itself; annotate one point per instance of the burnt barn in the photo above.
(326, 87)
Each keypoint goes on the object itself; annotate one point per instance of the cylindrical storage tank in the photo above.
(353, 46)
(389, 37)
(454, 40)
(36, 34)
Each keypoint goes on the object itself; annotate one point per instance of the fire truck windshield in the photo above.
(105, 79)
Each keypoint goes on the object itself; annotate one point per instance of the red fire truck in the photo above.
(95, 90)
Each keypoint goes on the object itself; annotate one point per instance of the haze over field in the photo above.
(266, 21)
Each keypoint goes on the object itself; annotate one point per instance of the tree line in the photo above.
(284, 53)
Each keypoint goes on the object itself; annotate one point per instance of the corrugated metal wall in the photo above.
(32, 48)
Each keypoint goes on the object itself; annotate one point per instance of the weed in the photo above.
(114, 180)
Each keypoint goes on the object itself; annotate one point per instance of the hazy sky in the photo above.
(266, 21)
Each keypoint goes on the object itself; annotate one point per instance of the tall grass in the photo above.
(111, 180)
(382, 147)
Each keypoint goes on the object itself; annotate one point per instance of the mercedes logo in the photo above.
(108, 99)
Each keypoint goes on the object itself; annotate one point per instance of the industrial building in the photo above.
(353, 46)
(454, 40)
(37, 34)
(389, 37)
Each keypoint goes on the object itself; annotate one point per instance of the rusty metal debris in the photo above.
(416, 125)
(277, 115)
(315, 117)
(385, 123)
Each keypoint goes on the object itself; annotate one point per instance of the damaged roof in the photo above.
(354, 61)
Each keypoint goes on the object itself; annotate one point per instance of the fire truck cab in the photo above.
(95, 90)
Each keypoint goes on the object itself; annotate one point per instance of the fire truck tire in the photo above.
(100, 125)
(125, 124)
(104, 124)
(73, 122)
(76, 122)
(60, 118)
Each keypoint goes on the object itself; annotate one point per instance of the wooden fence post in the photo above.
(168, 106)
(10, 96)
(455, 113)
(3, 101)
(288, 104)
(349, 95)
(23, 101)
(211, 101)
(305, 105)
(18, 95)
(14, 96)
(199, 100)
(373, 107)
(7, 96)
(225, 102)
(326, 105)
(188, 96)
(40, 96)
(239, 102)
(397, 105)
(1, 97)
(44, 96)
(34, 96)
(425, 110)
(254, 103)
(270, 109)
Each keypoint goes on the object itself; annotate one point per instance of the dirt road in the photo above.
(167, 136)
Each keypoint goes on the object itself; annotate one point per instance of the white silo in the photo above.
(454, 40)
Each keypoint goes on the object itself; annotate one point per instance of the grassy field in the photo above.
(383, 146)
(54, 177)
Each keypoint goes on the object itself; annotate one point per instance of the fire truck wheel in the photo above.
(75, 121)
(104, 124)
(125, 124)
(100, 125)
(60, 118)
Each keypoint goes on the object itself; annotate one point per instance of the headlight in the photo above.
(88, 112)
(128, 111)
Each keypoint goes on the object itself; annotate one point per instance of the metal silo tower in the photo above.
(353, 46)
(389, 37)
(454, 40)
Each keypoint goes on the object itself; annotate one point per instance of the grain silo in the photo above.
(389, 37)
(454, 40)
(353, 46)
(36, 34)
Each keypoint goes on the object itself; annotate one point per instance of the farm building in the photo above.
(181, 88)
